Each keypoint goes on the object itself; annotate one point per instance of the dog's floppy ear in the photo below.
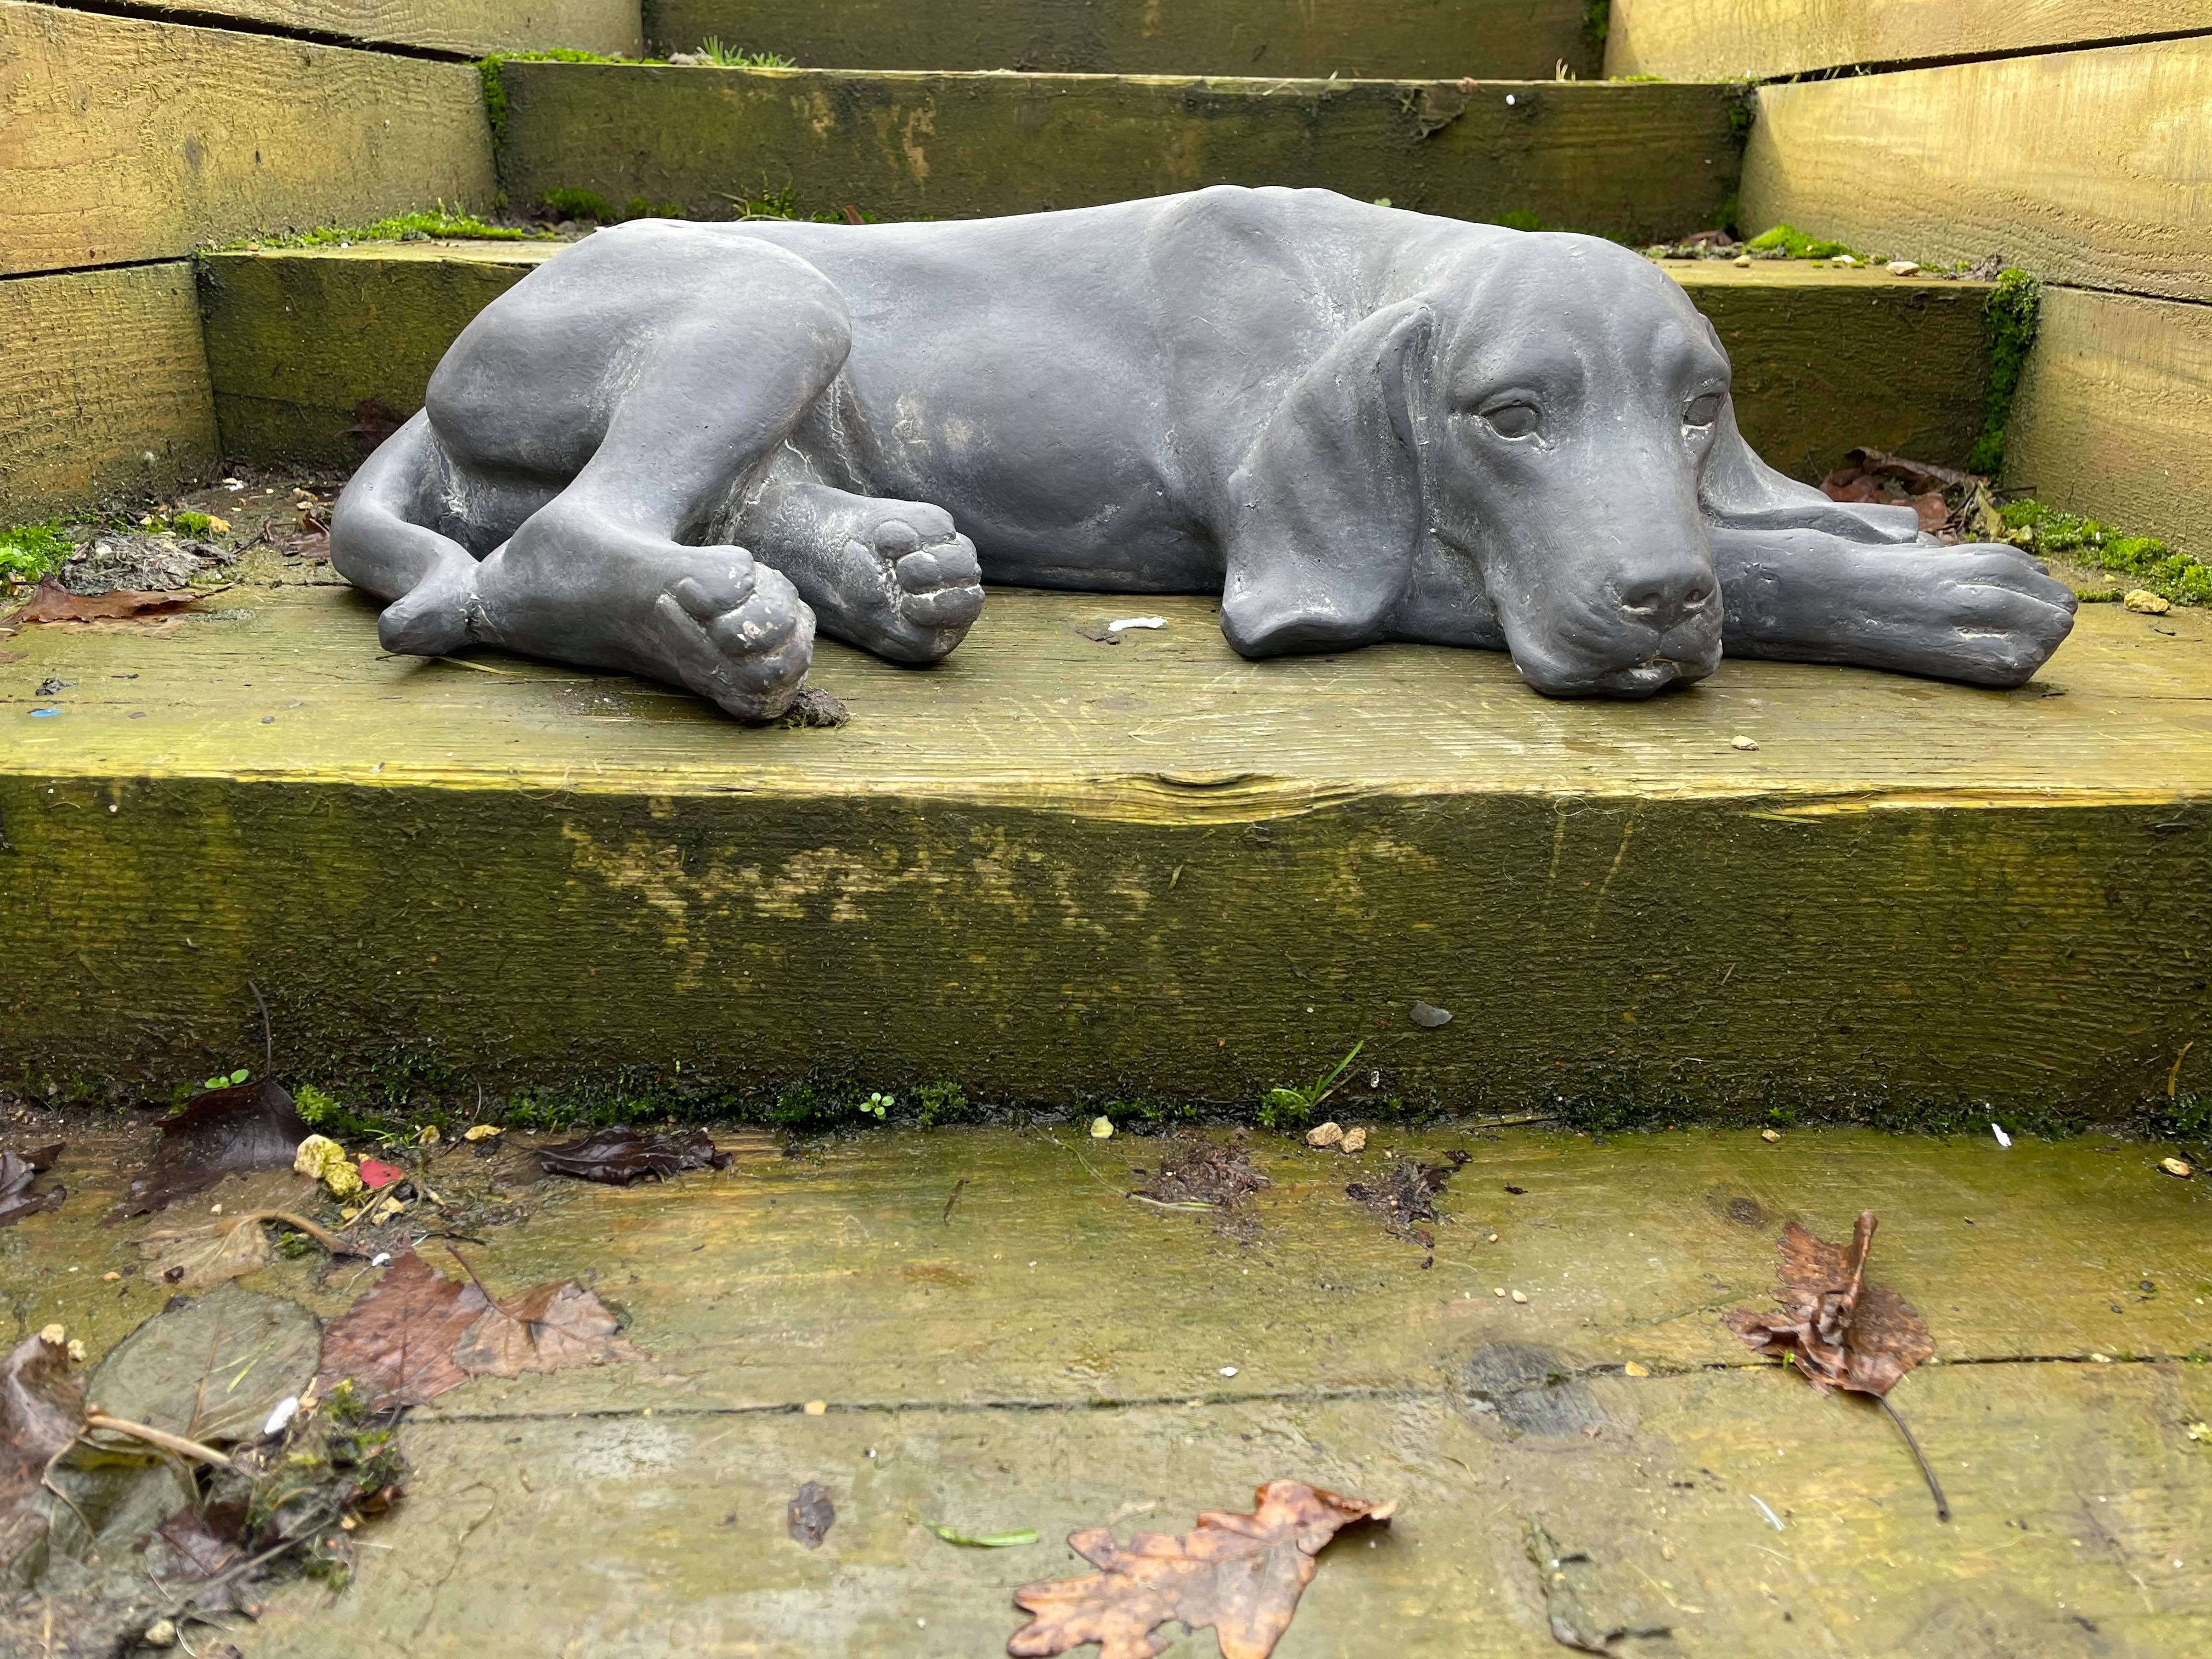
(1326, 508)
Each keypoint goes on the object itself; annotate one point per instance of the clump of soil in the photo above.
(1193, 1170)
(1406, 1196)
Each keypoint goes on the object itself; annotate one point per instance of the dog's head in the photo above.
(1522, 455)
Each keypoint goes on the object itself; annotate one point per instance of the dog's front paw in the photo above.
(1984, 613)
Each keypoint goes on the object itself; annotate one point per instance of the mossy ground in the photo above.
(2048, 533)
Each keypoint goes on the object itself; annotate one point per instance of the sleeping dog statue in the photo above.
(678, 448)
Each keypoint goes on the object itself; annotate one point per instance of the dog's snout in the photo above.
(1666, 598)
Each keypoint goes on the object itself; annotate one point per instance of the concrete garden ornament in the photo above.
(676, 449)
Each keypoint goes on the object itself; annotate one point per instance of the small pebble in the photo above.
(1631, 1368)
(1228, 1370)
(111, 1278)
(159, 1634)
(1901, 267)
(1499, 1290)
(2178, 1166)
(1101, 1129)
(1743, 261)
(1325, 1134)
(2143, 599)
(816, 1408)
(1742, 741)
(1355, 1140)
(1518, 1297)
(1770, 1135)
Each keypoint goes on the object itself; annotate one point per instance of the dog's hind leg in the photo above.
(381, 541)
(724, 350)
(892, 577)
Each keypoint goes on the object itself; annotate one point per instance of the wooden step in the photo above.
(309, 346)
(1643, 161)
(1352, 39)
(1054, 869)
(1042, 1352)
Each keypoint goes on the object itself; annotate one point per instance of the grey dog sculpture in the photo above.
(674, 448)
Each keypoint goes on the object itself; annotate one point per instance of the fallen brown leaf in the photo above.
(234, 1131)
(396, 1341)
(188, 1260)
(621, 1156)
(17, 1172)
(1242, 1574)
(41, 1410)
(548, 1328)
(417, 1333)
(1842, 1332)
(51, 602)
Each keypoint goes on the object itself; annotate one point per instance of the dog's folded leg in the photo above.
(382, 543)
(1983, 614)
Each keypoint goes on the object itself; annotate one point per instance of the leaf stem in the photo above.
(1935, 1487)
(161, 1437)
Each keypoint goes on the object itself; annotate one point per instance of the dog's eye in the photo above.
(1704, 410)
(1511, 420)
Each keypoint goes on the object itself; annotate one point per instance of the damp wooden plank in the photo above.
(467, 28)
(1637, 160)
(2114, 417)
(104, 388)
(1517, 40)
(302, 342)
(637, 1506)
(126, 140)
(2080, 1511)
(1723, 39)
(1052, 869)
(2081, 166)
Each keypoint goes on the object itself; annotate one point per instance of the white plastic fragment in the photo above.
(287, 1408)
(1136, 622)
(1228, 1370)
(2004, 1139)
(1763, 1510)
(382, 1258)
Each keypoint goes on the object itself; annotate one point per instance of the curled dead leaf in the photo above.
(620, 1156)
(1239, 1574)
(1842, 1332)
(239, 1130)
(17, 1172)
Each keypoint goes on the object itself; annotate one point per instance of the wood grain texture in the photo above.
(1724, 40)
(103, 388)
(124, 140)
(1050, 1355)
(2080, 167)
(2114, 416)
(1825, 360)
(1506, 39)
(1639, 162)
(1054, 869)
(466, 28)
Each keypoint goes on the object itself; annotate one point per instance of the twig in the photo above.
(1935, 1489)
(955, 1196)
(161, 1437)
(268, 1036)
(329, 1241)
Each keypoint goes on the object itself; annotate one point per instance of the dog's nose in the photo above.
(1664, 598)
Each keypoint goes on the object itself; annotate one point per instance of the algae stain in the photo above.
(921, 124)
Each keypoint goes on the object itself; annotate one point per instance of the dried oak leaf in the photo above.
(41, 1410)
(621, 1156)
(1842, 1332)
(1242, 1574)
(17, 1172)
(396, 1341)
(246, 1127)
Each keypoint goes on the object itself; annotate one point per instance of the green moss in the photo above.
(1788, 242)
(2009, 322)
(436, 223)
(2051, 534)
(494, 97)
(31, 552)
(1519, 219)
